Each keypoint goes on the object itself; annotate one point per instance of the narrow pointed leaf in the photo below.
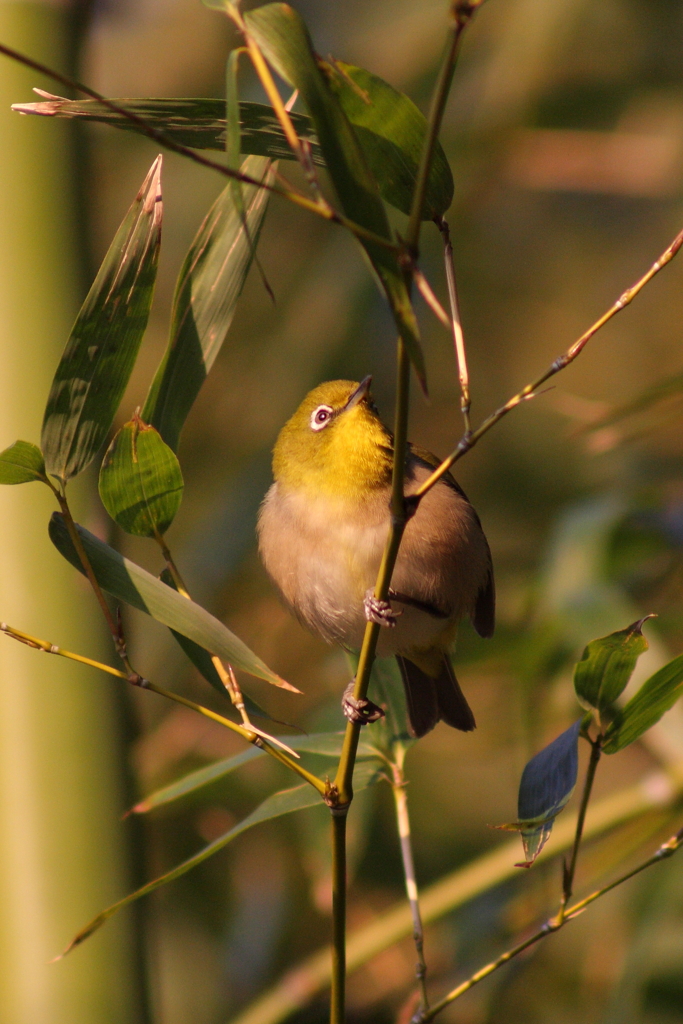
(607, 665)
(547, 783)
(284, 802)
(324, 744)
(208, 287)
(99, 357)
(141, 484)
(201, 659)
(656, 696)
(283, 37)
(128, 582)
(389, 130)
(22, 463)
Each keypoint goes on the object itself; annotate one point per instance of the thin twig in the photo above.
(403, 821)
(165, 140)
(468, 441)
(666, 850)
(569, 870)
(136, 680)
(456, 324)
(338, 981)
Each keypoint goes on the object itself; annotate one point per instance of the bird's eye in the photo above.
(320, 417)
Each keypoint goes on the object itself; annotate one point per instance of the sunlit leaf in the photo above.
(389, 130)
(607, 665)
(99, 357)
(284, 802)
(284, 40)
(209, 285)
(547, 783)
(657, 695)
(128, 582)
(141, 484)
(202, 661)
(324, 744)
(22, 463)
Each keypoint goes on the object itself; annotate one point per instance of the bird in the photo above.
(322, 530)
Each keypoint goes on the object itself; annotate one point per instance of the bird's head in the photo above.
(335, 443)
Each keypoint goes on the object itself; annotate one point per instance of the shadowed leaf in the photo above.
(208, 287)
(128, 582)
(657, 695)
(22, 463)
(325, 744)
(284, 40)
(284, 802)
(99, 357)
(606, 667)
(389, 130)
(141, 485)
(547, 783)
(387, 690)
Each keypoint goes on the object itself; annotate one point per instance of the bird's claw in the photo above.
(379, 611)
(360, 712)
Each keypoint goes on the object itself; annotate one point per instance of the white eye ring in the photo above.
(320, 417)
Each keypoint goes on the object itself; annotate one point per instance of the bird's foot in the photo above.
(378, 611)
(360, 712)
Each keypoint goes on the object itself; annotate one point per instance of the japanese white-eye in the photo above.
(322, 530)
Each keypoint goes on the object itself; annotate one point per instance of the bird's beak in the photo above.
(359, 394)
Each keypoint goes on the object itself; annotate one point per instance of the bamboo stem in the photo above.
(338, 996)
(403, 822)
(570, 870)
(456, 324)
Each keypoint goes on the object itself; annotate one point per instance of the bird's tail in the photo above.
(432, 700)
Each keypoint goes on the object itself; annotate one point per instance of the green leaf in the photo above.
(389, 131)
(547, 783)
(126, 581)
(22, 463)
(606, 667)
(141, 485)
(324, 744)
(99, 357)
(284, 802)
(656, 696)
(208, 287)
(284, 40)
(201, 659)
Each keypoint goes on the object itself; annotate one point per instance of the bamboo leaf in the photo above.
(22, 463)
(201, 659)
(128, 582)
(547, 783)
(141, 484)
(389, 130)
(99, 357)
(606, 667)
(282, 36)
(284, 802)
(324, 744)
(657, 695)
(208, 287)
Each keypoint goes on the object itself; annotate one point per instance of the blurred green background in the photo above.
(565, 135)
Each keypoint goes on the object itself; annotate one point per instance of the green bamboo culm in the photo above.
(62, 852)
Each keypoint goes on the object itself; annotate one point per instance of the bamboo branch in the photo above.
(137, 680)
(666, 850)
(569, 871)
(456, 325)
(468, 441)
